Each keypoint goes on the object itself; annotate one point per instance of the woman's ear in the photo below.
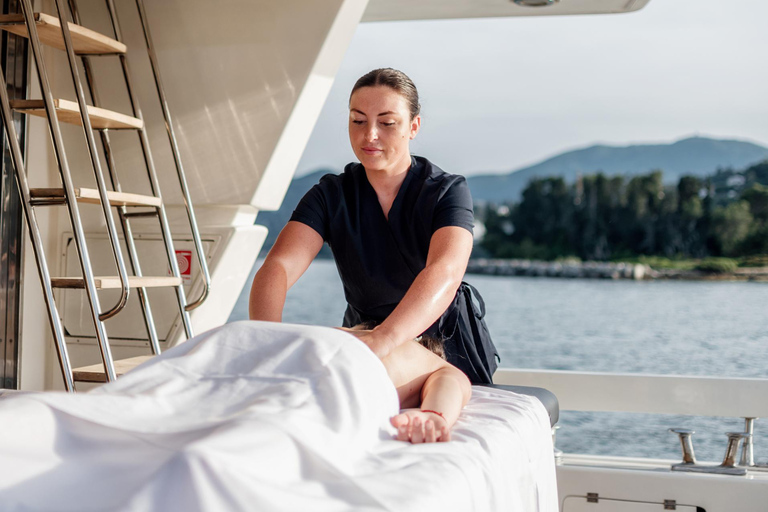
(415, 126)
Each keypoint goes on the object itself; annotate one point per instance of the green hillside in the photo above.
(696, 156)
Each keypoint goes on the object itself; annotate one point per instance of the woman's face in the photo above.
(381, 128)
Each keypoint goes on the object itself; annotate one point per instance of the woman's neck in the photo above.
(386, 182)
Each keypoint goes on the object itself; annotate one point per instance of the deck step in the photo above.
(113, 282)
(69, 112)
(41, 196)
(95, 372)
(84, 40)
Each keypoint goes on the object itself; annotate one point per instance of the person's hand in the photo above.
(416, 426)
(379, 343)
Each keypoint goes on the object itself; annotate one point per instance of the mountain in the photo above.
(698, 156)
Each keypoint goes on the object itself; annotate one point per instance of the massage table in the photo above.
(268, 417)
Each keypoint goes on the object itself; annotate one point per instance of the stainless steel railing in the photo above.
(69, 192)
(176, 156)
(34, 232)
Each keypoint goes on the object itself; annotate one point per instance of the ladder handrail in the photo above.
(69, 192)
(153, 181)
(96, 164)
(154, 185)
(106, 144)
(34, 231)
(176, 157)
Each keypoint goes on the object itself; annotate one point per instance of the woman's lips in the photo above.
(371, 151)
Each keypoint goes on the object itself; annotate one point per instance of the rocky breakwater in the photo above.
(587, 269)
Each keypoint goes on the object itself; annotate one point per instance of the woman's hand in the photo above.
(379, 343)
(417, 426)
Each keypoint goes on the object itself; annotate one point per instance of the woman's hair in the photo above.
(432, 343)
(395, 80)
(429, 342)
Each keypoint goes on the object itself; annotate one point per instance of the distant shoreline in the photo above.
(605, 270)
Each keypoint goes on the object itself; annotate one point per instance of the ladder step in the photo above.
(95, 372)
(84, 40)
(69, 112)
(111, 282)
(91, 196)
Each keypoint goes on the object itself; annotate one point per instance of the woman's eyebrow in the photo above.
(387, 113)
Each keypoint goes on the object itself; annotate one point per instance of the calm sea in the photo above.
(665, 327)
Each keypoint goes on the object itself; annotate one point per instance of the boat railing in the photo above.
(661, 394)
(647, 393)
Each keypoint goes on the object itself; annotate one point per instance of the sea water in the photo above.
(715, 329)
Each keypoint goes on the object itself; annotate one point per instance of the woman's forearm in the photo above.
(433, 289)
(268, 291)
(428, 297)
(447, 391)
(292, 253)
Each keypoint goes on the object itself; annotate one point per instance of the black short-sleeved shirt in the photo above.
(378, 258)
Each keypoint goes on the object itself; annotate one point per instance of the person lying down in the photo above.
(432, 391)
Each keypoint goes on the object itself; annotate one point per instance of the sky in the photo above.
(504, 93)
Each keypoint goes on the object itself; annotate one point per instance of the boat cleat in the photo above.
(728, 466)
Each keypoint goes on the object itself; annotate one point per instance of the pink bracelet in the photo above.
(434, 412)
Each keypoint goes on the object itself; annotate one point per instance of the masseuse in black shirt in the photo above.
(400, 229)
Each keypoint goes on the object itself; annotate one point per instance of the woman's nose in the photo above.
(371, 134)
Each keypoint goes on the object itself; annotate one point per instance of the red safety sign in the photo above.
(184, 260)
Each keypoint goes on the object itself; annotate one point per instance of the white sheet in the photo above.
(266, 417)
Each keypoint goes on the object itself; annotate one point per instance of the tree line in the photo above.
(612, 217)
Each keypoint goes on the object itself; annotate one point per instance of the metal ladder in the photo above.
(74, 39)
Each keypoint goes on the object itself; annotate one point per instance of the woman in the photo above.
(400, 230)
